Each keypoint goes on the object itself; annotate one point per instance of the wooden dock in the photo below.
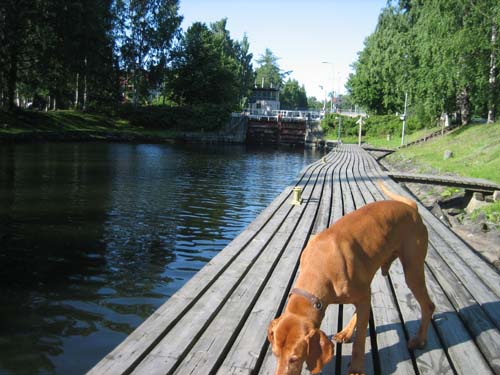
(217, 323)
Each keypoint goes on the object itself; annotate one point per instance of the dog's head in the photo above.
(294, 341)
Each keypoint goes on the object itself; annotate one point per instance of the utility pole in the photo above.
(404, 120)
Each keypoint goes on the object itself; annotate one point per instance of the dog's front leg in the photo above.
(358, 347)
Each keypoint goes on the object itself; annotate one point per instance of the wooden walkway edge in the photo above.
(474, 184)
(217, 323)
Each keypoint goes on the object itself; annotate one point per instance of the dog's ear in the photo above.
(320, 350)
(270, 331)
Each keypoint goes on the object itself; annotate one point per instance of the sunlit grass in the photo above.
(476, 152)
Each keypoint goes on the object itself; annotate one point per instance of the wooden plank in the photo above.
(337, 198)
(393, 354)
(432, 359)
(474, 285)
(486, 336)
(465, 356)
(324, 208)
(475, 184)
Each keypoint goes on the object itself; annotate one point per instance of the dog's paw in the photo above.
(343, 337)
(416, 343)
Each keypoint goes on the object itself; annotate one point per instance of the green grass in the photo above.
(29, 121)
(450, 191)
(476, 152)
(68, 121)
(382, 142)
(395, 142)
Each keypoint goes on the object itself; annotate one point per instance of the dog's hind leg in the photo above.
(415, 279)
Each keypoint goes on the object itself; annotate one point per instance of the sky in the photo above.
(301, 33)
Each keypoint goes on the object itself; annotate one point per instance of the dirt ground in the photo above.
(481, 235)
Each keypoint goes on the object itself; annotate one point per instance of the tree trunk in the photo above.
(463, 104)
(76, 91)
(85, 86)
(493, 72)
(12, 79)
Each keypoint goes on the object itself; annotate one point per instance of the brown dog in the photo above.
(337, 266)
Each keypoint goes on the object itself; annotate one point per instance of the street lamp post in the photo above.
(324, 99)
(333, 82)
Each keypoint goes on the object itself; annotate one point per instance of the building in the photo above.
(264, 100)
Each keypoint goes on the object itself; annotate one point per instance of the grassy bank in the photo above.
(476, 152)
(393, 141)
(76, 125)
(29, 121)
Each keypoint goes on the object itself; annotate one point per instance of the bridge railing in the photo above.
(295, 114)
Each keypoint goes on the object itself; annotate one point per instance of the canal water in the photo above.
(94, 237)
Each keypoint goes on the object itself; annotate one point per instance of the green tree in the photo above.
(293, 96)
(145, 31)
(269, 72)
(384, 67)
(489, 12)
(56, 53)
(442, 53)
(208, 66)
(245, 70)
(16, 20)
(314, 104)
(454, 58)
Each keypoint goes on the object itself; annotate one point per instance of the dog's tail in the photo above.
(396, 197)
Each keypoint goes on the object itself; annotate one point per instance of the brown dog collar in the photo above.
(315, 301)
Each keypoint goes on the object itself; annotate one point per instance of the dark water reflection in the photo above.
(94, 237)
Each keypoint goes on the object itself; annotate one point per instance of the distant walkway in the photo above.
(217, 323)
(299, 114)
